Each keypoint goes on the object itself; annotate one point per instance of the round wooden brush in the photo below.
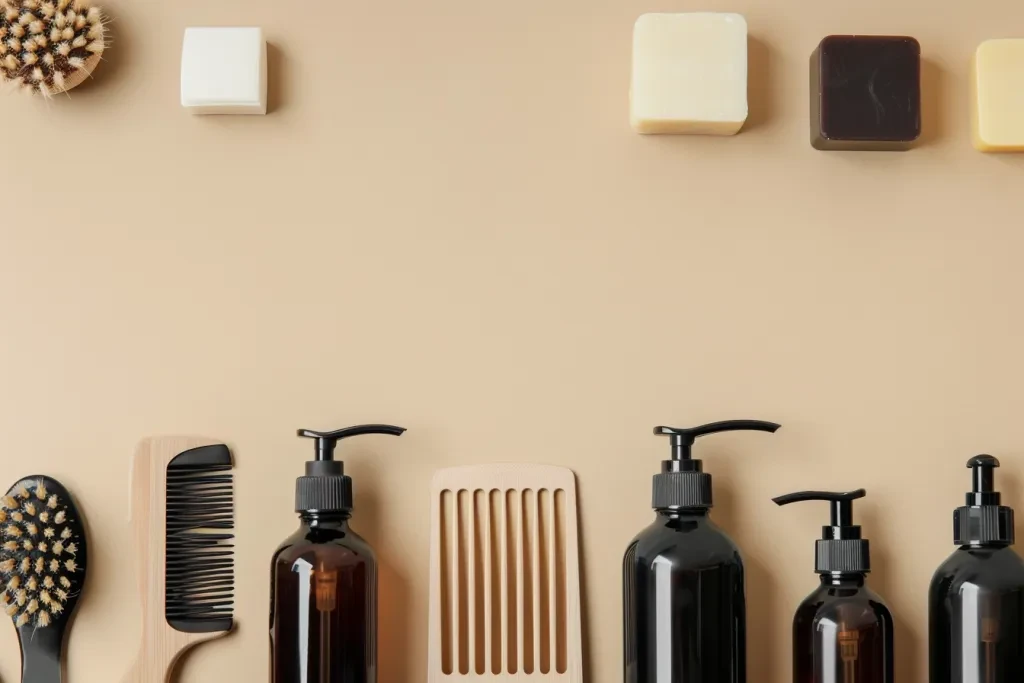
(42, 570)
(50, 46)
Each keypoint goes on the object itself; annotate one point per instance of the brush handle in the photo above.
(41, 654)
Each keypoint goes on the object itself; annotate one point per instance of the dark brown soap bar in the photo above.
(866, 93)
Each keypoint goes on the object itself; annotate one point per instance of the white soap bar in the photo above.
(689, 73)
(224, 71)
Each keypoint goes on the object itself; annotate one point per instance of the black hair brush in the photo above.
(42, 566)
(182, 518)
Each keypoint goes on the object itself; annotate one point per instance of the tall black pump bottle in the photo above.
(323, 590)
(842, 631)
(976, 600)
(683, 583)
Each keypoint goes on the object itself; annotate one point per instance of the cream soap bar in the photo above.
(997, 82)
(224, 70)
(689, 73)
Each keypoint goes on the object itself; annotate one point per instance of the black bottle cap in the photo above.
(983, 519)
(326, 487)
(683, 482)
(841, 549)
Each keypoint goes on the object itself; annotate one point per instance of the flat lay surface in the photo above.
(446, 222)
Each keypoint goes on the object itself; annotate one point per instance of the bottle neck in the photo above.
(683, 513)
(987, 545)
(842, 580)
(314, 519)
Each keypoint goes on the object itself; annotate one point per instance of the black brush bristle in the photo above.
(200, 553)
(42, 553)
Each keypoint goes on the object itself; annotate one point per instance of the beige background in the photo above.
(447, 223)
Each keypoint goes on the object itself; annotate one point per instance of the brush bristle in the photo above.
(30, 568)
(49, 46)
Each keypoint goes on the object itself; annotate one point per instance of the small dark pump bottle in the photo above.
(842, 632)
(684, 601)
(976, 601)
(323, 591)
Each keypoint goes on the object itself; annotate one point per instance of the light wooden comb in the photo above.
(163, 643)
(504, 575)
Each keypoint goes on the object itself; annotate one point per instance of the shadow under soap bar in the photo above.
(866, 93)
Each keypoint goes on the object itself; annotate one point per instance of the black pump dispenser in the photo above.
(842, 631)
(683, 580)
(683, 482)
(841, 548)
(323, 578)
(326, 487)
(983, 519)
(976, 597)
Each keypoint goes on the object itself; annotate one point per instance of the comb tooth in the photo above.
(469, 529)
(502, 604)
(535, 578)
(453, 572)
(461, 653)
(485, 513)
(520, 599)
(550, 522)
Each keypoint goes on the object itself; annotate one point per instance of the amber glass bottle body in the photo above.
(323, 612)
(976, 615)
(684, 603)
(842, 633)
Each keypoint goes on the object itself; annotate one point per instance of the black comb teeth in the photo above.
(200, 554)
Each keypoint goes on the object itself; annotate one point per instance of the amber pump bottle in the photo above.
(683, 581)
(842, 632)
(976, 600)
(323, 592)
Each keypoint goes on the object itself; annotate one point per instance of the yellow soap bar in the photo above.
(689, 73)
(997, 84)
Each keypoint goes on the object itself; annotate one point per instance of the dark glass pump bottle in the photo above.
(684, 602)
(976, 600)
(842, 632)
(323, 593)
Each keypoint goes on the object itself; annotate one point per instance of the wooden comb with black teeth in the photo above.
(182, 519)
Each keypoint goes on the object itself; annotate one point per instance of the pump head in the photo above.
(326, 487)
(682, 482)
(841, 548)
(983, 520)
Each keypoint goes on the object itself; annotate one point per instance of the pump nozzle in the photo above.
(326, 487)
(683, 437)
(842, 503)
(984, 481)
(841, 548)
(983, 520)
(682, 482)
(326, 441)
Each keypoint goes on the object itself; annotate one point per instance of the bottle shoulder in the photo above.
(686, 543)
(346, 547)
(858, 606)
(998, 569)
